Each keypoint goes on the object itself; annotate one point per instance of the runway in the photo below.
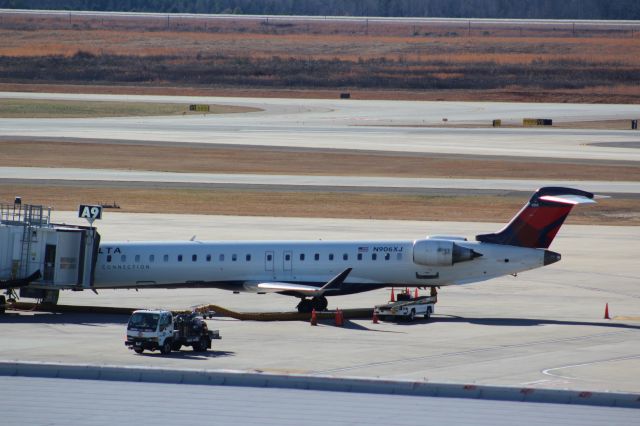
(45, 175)
(392, 126)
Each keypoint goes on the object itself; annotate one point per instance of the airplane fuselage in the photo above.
(241, 266)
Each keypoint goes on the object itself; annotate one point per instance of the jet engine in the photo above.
(441, 253)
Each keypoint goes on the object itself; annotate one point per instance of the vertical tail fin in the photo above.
(540, 219)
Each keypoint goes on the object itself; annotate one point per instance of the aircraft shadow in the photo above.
(525, 322)
(63, 318)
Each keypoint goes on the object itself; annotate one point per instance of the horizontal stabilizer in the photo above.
(568, 199)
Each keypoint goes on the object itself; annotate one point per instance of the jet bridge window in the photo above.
(194, 258)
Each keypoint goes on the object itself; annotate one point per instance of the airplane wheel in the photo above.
(320, 303)
(305, 306)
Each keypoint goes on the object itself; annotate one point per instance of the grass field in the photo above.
(216, 159)
(616, 211)
(440, 62)
(30, 108)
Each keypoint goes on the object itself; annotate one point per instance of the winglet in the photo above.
(336, 282)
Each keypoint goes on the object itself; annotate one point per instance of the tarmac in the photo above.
(542, 329)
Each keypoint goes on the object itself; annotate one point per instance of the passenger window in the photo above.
(345, 256)
(287, 257)
(194, 257)
(316, 256)
(221, 258)
(331, 256)
(248, 258)
(123, 258)
(399, 256)
(359, 256)
(179, 258)
(269, 257)
(166, 257)
(374, 256)
(137, 258)
(152, 258)
(208, 258)
(108, 258)
(234, 257)
(387, 256)
(302, 256)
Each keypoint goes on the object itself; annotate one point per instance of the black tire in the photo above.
(305, 306)
(320, 303)
(175, 346)
(427, 315)
(166, 347)
(138, 350)
(412, 315)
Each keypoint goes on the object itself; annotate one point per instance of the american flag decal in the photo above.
(363, 249)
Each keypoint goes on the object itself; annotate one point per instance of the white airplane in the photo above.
(313, 270)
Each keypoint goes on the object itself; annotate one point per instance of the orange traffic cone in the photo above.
(314, 317)
(375, 317)
(415, 293)
(393, 296)
(606, 311)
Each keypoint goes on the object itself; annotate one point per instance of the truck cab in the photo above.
(151, 330)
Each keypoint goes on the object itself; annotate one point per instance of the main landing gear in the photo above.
(319, 303)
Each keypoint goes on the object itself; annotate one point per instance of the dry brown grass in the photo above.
(315, 204)
(215, 159)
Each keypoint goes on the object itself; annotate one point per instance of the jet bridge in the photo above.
(39, 258)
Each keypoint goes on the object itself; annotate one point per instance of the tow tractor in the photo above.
(161, 330)
(407, 307)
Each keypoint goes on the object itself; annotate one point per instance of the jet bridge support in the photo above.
(40, 258)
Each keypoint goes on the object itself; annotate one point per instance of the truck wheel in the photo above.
(427, 315)
(138, 350)
(201, 346)
(166, 347)
(412, 315)
(3, 300)
(175, 346)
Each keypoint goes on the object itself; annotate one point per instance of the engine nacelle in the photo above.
(441, 253)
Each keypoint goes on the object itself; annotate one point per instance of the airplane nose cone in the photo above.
(551, 257)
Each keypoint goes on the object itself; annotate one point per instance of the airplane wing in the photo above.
(280, 287)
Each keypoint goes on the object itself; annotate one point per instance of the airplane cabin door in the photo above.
(288, 257)
(268, 261)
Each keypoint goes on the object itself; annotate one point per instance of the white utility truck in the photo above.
(407, 307)
(161, 330)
